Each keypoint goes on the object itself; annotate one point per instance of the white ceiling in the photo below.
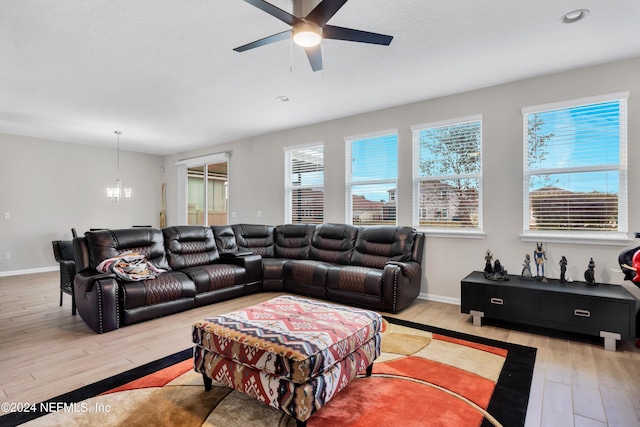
(164, 73)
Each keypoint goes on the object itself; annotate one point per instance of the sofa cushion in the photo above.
(189, 246)
(169, 286)
(308, 272)
(377, 245)
(272, 268)
(293, 241)
(255, 238)
(333, 243)
(216, 276)
(225, 238)
(104, 244)
(357, 279)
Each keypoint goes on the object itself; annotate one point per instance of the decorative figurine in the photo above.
(589, 274)
(498, 273)
(563, 269)
(526, 268)
(540, 256)
(487, 266)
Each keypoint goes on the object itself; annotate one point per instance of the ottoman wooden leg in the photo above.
(369, 370)
(208, 383)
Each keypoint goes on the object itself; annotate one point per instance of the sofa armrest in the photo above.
(401, 284)
(409, 268)
(96, 296)
(252, 263)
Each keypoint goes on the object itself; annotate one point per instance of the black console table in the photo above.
(608, 311)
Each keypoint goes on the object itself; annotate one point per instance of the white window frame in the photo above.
(598, 238)
(473, 233)
(288, 187)
(349, 182)
(183, 166)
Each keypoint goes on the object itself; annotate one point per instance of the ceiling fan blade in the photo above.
(265, 41)
(324, 11)
(314, 54)
(349, 34)
(274, 11)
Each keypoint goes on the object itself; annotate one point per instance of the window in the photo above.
(371, 178)
(203, 190)
(304, 185)
(575, 166)
(447, 176)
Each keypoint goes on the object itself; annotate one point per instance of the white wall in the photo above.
(49, 187)
(257, 172)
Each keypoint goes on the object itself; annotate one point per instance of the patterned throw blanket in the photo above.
(130, 266)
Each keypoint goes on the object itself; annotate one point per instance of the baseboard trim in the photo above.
(28, 271)
(439, 298)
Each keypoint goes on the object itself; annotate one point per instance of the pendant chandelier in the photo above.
(117, 193)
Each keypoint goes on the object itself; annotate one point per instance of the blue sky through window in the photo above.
(375, 158)
(583, 136)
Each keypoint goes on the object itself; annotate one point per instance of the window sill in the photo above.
(613, 239)
(453, 234)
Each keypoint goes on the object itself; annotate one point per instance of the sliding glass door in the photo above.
(207, 194)
(203, 192)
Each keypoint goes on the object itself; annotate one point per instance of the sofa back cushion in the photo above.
(378, 244)
(333, 243)
(105, 244)
(255, 238)
(225, 238)
(293, 240)
(189, 245)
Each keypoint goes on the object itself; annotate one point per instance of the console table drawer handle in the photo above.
(582, 313)
(497, 301)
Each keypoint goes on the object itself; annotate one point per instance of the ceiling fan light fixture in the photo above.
(307, 34)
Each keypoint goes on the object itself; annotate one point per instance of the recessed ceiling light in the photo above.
(282, 98)
(574, 16)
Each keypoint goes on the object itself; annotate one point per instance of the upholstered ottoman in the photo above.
(291, 353)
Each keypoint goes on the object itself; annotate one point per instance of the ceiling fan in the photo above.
(308, 31)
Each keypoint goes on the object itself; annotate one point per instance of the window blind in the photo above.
(304, 185)
(371, 172)
(447, 174)
(575, 168)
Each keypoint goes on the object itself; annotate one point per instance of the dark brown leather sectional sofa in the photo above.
(377, 267)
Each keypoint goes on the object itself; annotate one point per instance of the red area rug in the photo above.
(425, 376)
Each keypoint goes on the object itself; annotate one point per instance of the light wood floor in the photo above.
(45, 351)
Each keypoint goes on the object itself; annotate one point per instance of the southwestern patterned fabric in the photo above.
(298, 400)
(289, 337)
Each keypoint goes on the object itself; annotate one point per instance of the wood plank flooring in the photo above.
(45, 351)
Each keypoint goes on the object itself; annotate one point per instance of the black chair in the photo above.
(63, 253)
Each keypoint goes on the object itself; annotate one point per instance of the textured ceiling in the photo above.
(164, 73)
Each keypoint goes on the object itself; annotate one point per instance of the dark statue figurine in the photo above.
(487, 265)
(589, 274)
(563, 269)
(498, 273)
